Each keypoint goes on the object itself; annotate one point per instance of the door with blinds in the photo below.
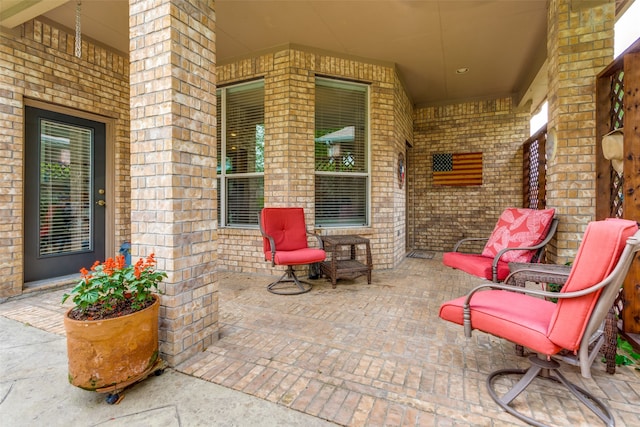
(64, 194)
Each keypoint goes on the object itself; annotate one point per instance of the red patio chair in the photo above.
(284, 236)
(520, 235)
(524, 317)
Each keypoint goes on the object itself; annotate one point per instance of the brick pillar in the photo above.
(277, 112)
(289, 120)
(173, 195)
(12, 189)
(579, 46)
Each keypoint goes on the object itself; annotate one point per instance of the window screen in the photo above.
(240, 153)
(341, 153)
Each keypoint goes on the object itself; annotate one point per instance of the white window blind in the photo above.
(65, 188)
(341, 153)
(240, 153)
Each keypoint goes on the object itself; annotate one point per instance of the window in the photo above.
(539, 119)
(240, 153)
(341, 153)
(626, 30)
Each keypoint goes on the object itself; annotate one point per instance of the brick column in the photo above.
(289, 121)
(579, 46)
(11, 190)
(173, 195)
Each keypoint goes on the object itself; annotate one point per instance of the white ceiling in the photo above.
(502, 43)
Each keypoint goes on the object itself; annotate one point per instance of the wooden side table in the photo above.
(336, 267)
(520, 273)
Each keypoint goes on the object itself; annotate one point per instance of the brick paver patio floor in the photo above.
(369, 355)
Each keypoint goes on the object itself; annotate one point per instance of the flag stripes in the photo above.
(457, 169)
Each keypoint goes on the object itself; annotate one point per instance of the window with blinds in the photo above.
(341, 153)
(64, 188)
(240, 153)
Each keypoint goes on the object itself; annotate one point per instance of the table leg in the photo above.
(369, 262)
(334, 266)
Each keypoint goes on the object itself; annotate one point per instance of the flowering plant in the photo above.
(113, 288)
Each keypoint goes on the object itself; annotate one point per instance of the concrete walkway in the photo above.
(34, 391)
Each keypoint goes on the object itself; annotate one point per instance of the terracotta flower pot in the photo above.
(105, 353)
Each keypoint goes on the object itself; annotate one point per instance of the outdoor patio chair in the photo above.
(525, 317)
(520, 235)
(284, 236)
(604, 341)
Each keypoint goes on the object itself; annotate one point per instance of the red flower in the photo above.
(138, 268)
(86, 276)
(109, 266)
(114, 281)
(120, 263)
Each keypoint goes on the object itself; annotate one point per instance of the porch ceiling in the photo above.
(502, 43)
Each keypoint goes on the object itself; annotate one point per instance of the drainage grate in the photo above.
(420, 254)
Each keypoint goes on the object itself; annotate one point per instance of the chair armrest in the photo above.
(552, 230)
(546, 273)
(469, 239)
(272, 246)
(318, 238)
(466, 307)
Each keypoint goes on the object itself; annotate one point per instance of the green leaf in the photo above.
(622, 360)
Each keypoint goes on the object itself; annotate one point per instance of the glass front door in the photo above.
(64, 194)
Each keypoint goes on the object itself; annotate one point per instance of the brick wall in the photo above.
(37, 63)
(289, 76)
(442, 215)
(402, 136)
(289, 85)
(579, 46)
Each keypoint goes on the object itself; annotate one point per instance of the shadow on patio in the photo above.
(375, 355)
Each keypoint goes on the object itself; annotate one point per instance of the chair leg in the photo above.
(284, 285)
(547, 369)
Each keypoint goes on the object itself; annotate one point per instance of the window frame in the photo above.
(222, 177)
(344, 83)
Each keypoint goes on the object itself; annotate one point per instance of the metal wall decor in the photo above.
(401, 170)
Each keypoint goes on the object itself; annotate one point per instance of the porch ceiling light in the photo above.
(462, 70)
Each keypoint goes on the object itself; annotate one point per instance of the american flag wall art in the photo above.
(457, 169)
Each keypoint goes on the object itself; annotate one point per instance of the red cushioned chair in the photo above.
(284, 236)
(520, 235)
(524, 317)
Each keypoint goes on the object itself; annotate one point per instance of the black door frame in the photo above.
(38, 267)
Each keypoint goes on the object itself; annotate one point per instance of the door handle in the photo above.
(101, 203)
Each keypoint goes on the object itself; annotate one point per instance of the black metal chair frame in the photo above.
(280, 287)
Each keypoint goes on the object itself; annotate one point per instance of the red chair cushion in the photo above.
(286, 226)
(516, 317)
(301, 256)
(518, 227)
(597, 256)
(475, 264)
